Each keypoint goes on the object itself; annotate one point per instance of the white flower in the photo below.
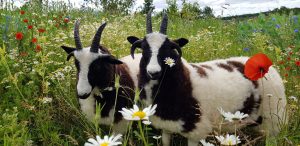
(157, 137)
(231, 117)
(147, 122)
(136, 114)
(228, 140)
(204, 143)
(169, 61)
(46, 100)
(106, 141)
(293, 98)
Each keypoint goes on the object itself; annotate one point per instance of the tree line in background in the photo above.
(189, 10)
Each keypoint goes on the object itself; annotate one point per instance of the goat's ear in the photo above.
(68, 49)
(181, 41)
(112, 60)
(132, 39)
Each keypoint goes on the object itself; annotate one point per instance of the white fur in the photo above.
(155, 41)
(148, 90)
(85, 58)
(229, 90)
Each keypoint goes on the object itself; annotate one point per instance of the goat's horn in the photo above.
(96, 40)
(76, 35)
(148, 22)
(164, 24)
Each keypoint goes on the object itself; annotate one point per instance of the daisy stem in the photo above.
(142, 133)
(128, 133)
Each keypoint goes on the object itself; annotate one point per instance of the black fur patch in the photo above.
(174, 97)
(201, 71)
(207, 67)
(250, 104)
(225, 66)
(240, 67)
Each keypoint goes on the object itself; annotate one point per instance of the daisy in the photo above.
(106, 141)
(169, 61)
(204, 143)
(293, 98)
(228, 140)
(136, 114)
(232, 117)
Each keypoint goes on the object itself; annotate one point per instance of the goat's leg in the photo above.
(166, 138)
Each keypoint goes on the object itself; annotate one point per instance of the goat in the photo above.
(96, 70)
(188, 95)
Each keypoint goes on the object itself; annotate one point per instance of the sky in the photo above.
(222, 8)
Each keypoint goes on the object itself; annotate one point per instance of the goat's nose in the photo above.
(154, 75)
(84, 96)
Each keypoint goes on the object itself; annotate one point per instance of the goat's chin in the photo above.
(85, 96)
(153, 77)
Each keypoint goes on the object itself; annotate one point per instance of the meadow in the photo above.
(38, 103)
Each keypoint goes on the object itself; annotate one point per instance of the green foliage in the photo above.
(148, 5)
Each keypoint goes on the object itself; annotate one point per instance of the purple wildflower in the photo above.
(277, 26)
(296, 30)
(246, 49)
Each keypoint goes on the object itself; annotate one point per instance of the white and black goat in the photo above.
(96, 70)
(188, 95)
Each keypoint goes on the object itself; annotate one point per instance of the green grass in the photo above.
(28, 75)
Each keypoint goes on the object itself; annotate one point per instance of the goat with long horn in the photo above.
(96, 71)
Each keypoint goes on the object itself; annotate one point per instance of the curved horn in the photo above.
(95, 44)
(76, 35)
(134, 46)
(164, 24)
(148, 22)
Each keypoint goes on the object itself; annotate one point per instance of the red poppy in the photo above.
(57, 25)
(34, 40)
(19, 36)
(257, 66)
(29, 26)
(297, 62)
(289, 58)
(22, 12)
(288, 68)
(290, 53)
(286, 75)
(66, 20)
(41, 30)
(25, 20)
(281, 62)
(38, 48)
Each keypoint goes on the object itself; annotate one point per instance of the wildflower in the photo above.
(22, 12)
(66, 20)
(246, 49)
(296, 30)
(136, 114)
(297, 62)
(293, 98)
(228, 140)
(257, 66)
(156, 137)
(106, 141)
(41, 30)
(29, 26)
(288, 58)
(147, 122)
(22, 54)
(19, 36)
(288, 68)
(38, 48)
(281, 62)
(169, 61)
(34, 40)
(204, 143)
(45, 100)
(231, 117)
(277, 26)
(273, 19)
(25, 20)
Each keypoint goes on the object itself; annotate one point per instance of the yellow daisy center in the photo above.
(139, 114)
(104, 144)
(230, 142)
